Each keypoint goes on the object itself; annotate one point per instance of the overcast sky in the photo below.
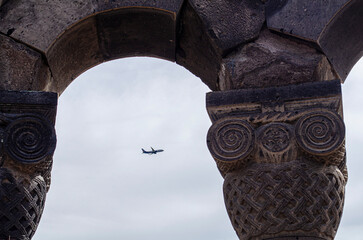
(104, 188)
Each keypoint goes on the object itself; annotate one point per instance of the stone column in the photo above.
(27, 144)
(281, 153)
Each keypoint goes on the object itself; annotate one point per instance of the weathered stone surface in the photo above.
(271, 95)
(75, 51)
(22, 68)
(168, 5)
(230, 23)
(341, 40)
(137, 32)
(279, 144)
(114, 34)
(195, 51)
(274, 125)
(21, 205)
(27, 144)
(281, 152)
(296, 238)
(334, 25)
(303, 19)
(273, 61)
(2, 2)
(224, 25)
(39, 22)
(299, 198)
(138, 28)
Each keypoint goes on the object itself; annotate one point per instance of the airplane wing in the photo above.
(153, 151)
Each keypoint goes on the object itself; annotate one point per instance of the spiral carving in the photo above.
(29, 139)
(320, 133)
(230, 140)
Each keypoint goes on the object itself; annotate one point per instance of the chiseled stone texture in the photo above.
(39, 22)
(21, 68)
(195, 50)
(333, 25)
(342, 41)
(2, 2)
(230, 23)
(281, 152)
(76, 51)
(196, 34)
(168, 5)
(137, 31)
(77, 35)
(273, 61)
(303, 19)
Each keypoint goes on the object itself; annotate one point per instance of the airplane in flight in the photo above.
(153, 151)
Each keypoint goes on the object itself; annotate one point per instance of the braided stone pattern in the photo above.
(293, 199)
(21, 206)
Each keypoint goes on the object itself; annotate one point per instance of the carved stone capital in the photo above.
(27, 145)
(282, 154)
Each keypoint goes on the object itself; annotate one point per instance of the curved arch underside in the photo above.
(45, 45)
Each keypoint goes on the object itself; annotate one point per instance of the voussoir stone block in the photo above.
(195, 50)
(333, 25)
(21, 68)
(75, 36)
(168, 5)
(137, 31)
(303, 19)
(76, 51)
(38, 22)
(230, 23)
(342, 39)
(272, 60)
(2, 2)
(138, 28)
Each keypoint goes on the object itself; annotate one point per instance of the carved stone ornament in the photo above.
(28, 142)
(282, 154)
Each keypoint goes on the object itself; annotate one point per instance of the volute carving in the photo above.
(320, 133)
(282, 155)
(27, 145)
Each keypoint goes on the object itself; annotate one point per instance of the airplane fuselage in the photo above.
(153, 151)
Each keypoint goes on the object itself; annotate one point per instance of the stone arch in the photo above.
(124, 32)
(347, 47)
(196, 34)
(275, 67)
(185, 32)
